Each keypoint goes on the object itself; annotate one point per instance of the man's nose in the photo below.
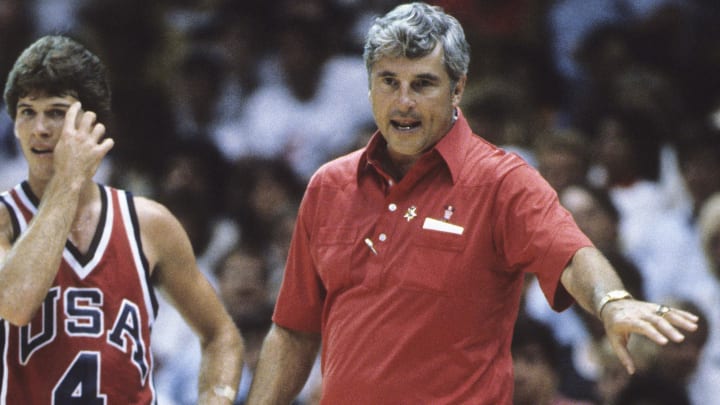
(42, 127)
(406, 99)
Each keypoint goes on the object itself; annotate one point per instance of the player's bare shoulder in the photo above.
(162, 234)
(150, 212)
(6, 227)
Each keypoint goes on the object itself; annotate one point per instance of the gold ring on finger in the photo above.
(662, 310)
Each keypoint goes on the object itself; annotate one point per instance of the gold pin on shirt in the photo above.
(411, 213)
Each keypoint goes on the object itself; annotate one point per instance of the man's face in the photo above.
(242, 287)
(534, 376)
(38, 124)
(590, 216)
(413, 102)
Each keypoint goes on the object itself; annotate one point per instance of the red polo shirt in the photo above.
(423, 316)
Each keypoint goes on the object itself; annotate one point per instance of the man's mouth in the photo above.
(404, 125)
(41, 151)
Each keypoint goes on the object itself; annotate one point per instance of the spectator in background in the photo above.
(17, 27)
(582, 334)
(698, 149)
(513, 38)
(536, 366)
(263, 195)
(627, 152)
(502, 110)
(709, 225)
(191, 185)
(596, 215)
(656, 99)
(321, 93)
(602, 55)
(563, 157)
(243, 276)
(703, 387)
(197, 94)
(649, 389)
(140, 48)
(677, 364)
(612, 377)
(243, 285)
(235, 40)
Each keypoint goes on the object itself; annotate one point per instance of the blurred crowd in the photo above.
(223, 109)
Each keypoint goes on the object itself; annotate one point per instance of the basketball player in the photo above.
(79, 260)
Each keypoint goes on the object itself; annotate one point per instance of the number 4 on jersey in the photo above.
(80, 385)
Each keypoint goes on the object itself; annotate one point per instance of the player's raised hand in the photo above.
(80, 150)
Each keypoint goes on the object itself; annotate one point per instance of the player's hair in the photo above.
(412, 31)
(56, 65)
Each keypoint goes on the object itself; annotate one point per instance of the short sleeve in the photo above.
(300, 301)
(534, 233)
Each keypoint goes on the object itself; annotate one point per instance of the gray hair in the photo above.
(412, 31)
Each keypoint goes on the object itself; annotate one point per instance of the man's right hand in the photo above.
(79, 150)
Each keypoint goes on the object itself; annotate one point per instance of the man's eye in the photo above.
(421, 84)
(56, 114)
(26, 112)
(389, 81)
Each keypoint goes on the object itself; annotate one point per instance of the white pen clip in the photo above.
(370, 244)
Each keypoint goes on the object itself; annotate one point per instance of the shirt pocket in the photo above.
(432, 256)
(333, 251)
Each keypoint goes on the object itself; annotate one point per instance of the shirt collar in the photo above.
(451, 148)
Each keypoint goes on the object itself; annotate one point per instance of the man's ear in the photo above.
(458, 90)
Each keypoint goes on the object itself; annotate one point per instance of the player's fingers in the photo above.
(98, 131)
(106, 145)
(87, 120)
(71, 116)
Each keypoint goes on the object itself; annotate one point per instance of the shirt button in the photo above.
(392, 207)
(382, 237)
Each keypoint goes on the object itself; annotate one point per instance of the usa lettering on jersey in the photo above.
(89, 342)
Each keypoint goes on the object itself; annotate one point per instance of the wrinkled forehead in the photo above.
(428, 64)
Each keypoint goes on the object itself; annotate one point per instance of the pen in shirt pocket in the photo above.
(370, 244)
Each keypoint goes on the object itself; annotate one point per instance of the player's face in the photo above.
(413, 102)
(38, 124)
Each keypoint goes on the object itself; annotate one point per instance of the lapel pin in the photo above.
(411, 213)
(448, 213)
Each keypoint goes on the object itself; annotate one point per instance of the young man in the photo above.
(409, 255)
(79, 260)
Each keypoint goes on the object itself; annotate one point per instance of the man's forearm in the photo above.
(285, 363)
(588, 277)
(220, 369)
(38, 249)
